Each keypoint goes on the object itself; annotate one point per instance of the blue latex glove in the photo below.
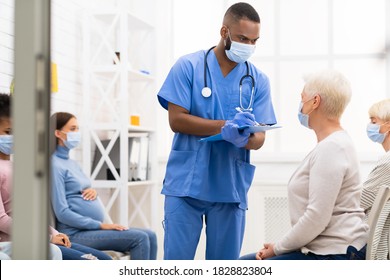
(244, 119)
(231, 134)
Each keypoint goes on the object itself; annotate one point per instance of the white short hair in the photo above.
(334, 89)
(380, 110)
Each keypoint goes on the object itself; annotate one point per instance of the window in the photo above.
(298, 37)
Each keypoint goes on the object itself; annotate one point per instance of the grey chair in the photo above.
(378, 244)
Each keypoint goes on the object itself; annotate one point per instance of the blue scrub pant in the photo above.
(183, 222)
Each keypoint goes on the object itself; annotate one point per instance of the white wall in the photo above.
(66, 51)
(6, 44)
(66, 40)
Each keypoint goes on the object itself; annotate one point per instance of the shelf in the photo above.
(105, 126)
(139, 75)
(134, 128)
(140, 183)
(103, 184)
(126, 88)
(115, 126)
(111, 184)
(134, 75)
(134, 22)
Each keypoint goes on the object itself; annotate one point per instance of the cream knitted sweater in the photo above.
(324, 201)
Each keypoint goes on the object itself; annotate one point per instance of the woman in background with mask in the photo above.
(378, 131)
(79, 214)
(324, 192)
(60, 247)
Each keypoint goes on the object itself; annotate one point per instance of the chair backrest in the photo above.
(378, 244)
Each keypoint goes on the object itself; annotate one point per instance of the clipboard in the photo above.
(251, 129)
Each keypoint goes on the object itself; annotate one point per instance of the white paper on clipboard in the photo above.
(252, 129)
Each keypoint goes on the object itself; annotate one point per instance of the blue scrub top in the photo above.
(212, 171)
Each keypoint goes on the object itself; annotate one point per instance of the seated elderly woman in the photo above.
(324, 192)
(378, 131)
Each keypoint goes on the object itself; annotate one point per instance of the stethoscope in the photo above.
(206, 91)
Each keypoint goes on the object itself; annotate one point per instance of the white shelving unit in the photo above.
(118, 58)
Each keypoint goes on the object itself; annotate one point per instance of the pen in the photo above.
(238, 109)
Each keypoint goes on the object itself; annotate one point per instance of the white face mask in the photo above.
(6, 144)
(239, 52)
(303, 118)
(374, 134)
(73, 139)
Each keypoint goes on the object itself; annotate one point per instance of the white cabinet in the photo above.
(118, 56)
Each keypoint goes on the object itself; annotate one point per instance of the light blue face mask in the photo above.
(303, 118)
(374, 134)
(239, 52)
(6, 144)
(73, 139)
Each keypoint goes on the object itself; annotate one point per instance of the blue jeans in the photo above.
(76, 251)
(352, 254)
(141, 243)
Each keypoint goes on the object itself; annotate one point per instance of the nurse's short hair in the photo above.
(334, 89)
(380, 110)
(242, 10)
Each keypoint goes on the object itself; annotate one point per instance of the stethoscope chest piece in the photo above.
(206, 92)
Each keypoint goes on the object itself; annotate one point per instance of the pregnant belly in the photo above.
(87, 208)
